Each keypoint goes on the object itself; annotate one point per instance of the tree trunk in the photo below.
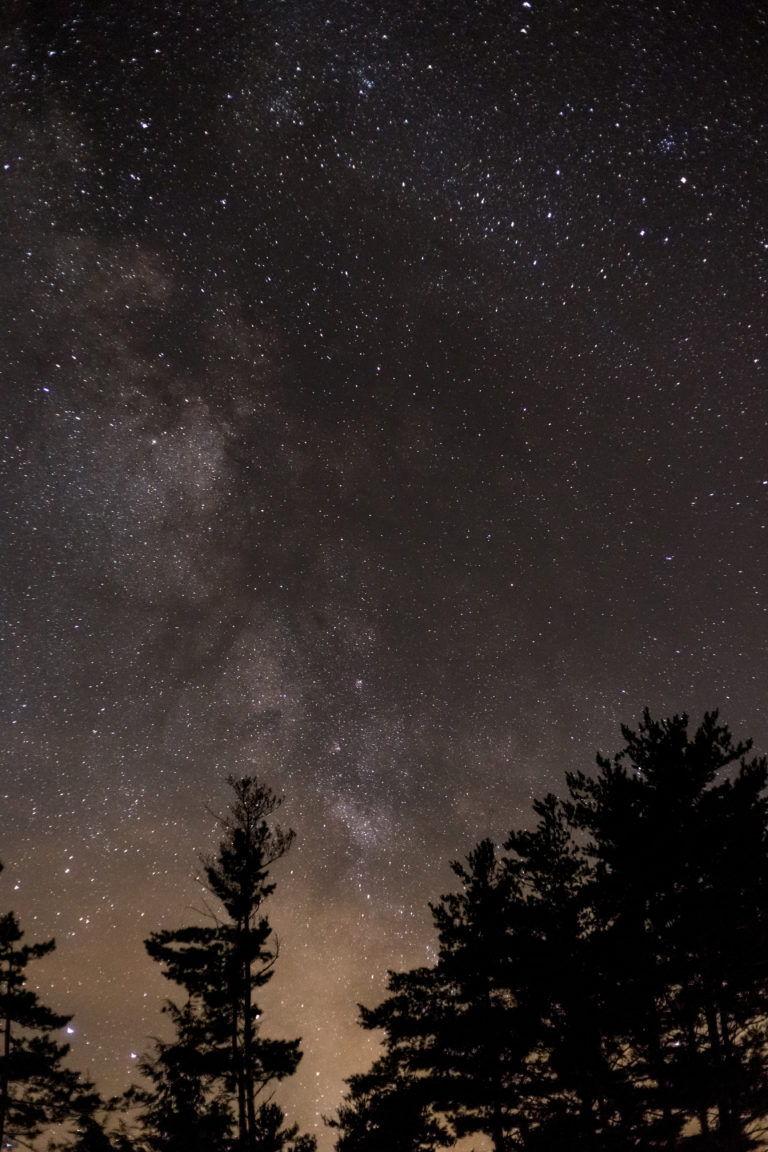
(4, 1078)
(497, 1125)
(238, 1067)
(734, 1126)
(724, 1113)
(248, 1051)
(660, 1073)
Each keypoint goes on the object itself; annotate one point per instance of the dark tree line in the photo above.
(208, 1088)
(602, 979)
(601, 985)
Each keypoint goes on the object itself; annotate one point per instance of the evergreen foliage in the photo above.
(36, 1089)
(601, 985)
(210, 1086)
(387, 1111)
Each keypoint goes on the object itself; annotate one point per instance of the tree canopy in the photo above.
(601, 984)
(37, 1089)
(602, 977)
(210, 1085)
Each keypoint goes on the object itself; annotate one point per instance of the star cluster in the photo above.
(384, 413)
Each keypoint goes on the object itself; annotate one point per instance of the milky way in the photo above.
(385, 414)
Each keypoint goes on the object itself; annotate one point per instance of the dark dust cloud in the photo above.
(384, 412)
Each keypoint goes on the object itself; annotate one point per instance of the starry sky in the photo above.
(385, 414)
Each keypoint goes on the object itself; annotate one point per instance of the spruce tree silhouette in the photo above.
(604, 984)
(36, 1090)
(677, 830)
(387, 1111)
(213, 1078)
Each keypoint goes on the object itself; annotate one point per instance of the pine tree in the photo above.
(569, 1074)
(36, 1090)
(678, 831)
(89, 1128)
(604, 985)
(388, 1111)
(186, 1108)
(215, 1076)
(461, 1028)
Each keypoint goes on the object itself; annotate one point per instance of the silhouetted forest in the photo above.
(601, 984)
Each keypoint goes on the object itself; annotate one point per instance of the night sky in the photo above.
(385, 414)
